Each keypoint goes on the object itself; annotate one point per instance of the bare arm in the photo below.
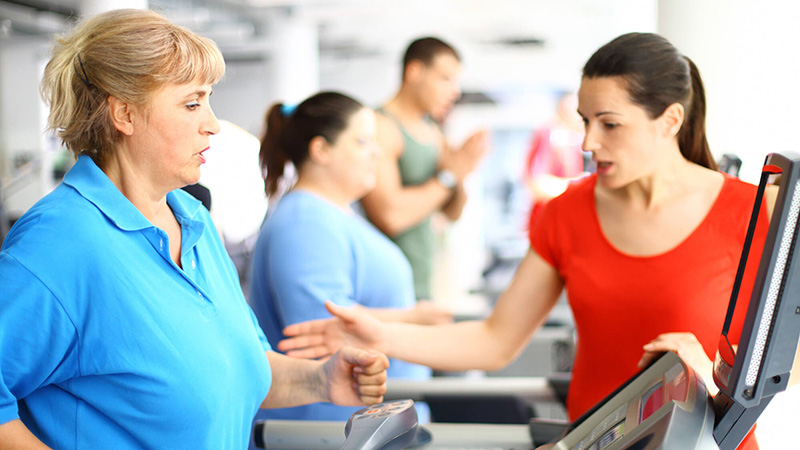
(349, 377)
(15, 435)
(424, 312)
(488, 344)
(391, 206)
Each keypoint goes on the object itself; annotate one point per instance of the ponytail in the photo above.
(692, 136)
(271, 156)
(290, 131)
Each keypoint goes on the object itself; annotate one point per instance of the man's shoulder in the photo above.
(389, 134)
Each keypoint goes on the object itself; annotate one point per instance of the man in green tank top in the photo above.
(419, 174)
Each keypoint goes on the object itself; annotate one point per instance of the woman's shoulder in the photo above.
(306, 216)
(580, 190)
(736, 190)
(301, 208)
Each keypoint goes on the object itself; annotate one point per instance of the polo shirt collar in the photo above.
(95, 186)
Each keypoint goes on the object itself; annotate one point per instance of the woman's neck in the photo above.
(671, 178)
(136, 186)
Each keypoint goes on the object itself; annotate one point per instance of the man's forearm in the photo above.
(395, 213)
(455, 206)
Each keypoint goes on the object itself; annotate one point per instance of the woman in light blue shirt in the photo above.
(122, 323)
(314, 247)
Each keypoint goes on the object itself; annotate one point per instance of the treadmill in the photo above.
(666, 405)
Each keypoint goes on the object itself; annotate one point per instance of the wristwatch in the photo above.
(447, 178)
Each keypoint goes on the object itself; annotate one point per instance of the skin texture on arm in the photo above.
(14, 435)
(489, 344)
(350, 377)
(424, 312)
(392, 207)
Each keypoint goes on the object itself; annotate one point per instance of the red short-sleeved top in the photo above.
(620, 302)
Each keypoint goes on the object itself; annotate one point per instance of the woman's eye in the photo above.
(610, 126)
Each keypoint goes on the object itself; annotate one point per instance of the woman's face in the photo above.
(354, 155)
(620, 134)
(169, 144)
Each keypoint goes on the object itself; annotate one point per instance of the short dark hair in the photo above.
(426, 49)
(657, 75)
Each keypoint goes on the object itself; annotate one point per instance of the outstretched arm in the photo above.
(488, 344)
(351, 377)
(424, 312)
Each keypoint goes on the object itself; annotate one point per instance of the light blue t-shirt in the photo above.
(309, 251)
(107, 344)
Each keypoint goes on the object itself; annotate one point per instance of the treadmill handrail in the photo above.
(533, 389)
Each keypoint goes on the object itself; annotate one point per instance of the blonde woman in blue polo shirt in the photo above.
(123, 324)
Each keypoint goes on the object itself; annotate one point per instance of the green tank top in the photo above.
(417, 164)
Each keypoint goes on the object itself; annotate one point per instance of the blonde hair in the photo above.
(128, 54)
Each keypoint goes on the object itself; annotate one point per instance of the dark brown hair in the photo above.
(657, 75)
(290, 130)
(425, 50)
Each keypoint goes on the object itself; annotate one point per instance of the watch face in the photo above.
(447, 178)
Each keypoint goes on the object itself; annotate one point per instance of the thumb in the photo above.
(358, 357)
(339, 311)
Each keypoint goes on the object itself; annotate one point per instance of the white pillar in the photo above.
(92, 7)
(294, 56)
(26, 154)
(747, 55)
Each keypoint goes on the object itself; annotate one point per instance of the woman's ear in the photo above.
(121, 115)
(673, 118)
(319, 150)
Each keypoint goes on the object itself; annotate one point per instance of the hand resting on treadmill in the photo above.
(689, 349)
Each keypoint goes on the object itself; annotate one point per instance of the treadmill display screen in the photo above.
(609, 437)
(651, 401)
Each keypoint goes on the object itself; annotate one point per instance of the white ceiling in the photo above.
(506, 45)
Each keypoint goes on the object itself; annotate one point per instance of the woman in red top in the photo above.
(647, 247)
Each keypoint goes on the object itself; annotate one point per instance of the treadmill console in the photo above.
(385, 426)
(664, 406)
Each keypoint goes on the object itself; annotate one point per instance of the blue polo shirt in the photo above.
(106, 343)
